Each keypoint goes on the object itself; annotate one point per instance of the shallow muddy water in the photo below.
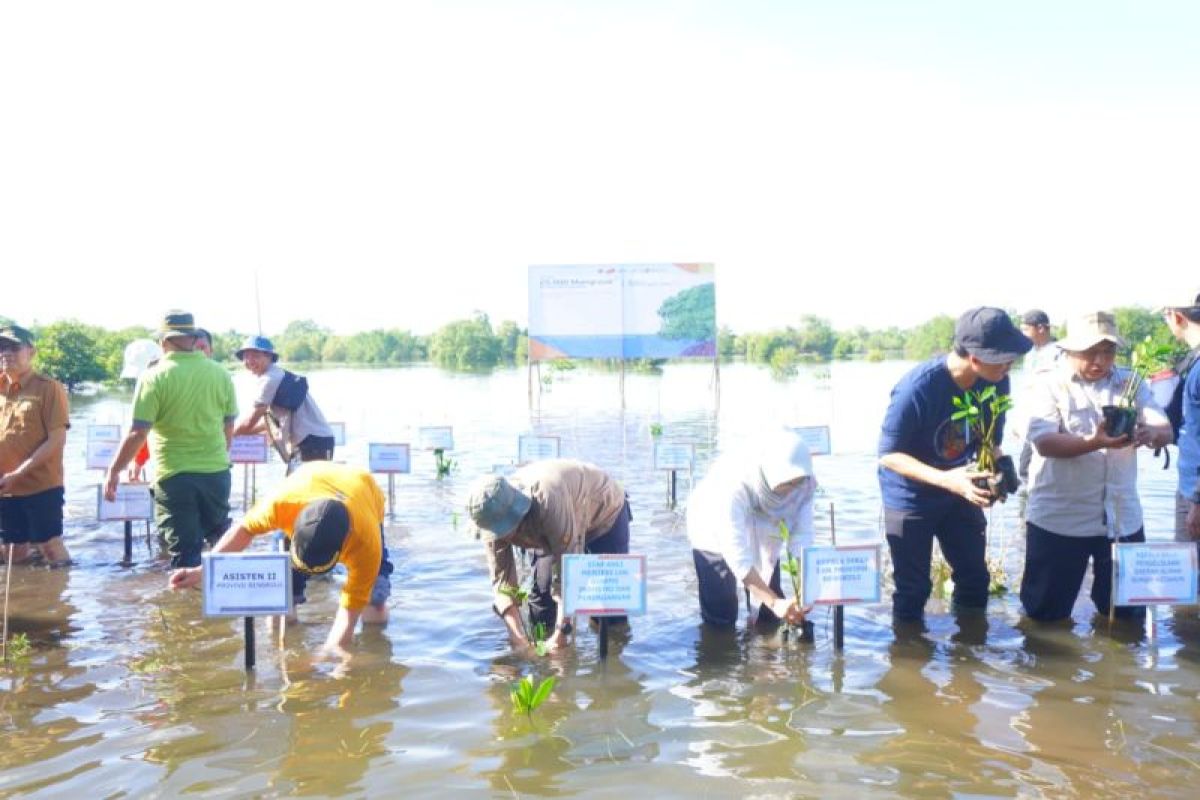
(129, 692)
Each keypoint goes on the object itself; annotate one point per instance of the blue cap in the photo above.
(260, 343)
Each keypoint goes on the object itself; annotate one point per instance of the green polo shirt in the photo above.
(186, 400)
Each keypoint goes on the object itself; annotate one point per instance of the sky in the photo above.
(402, 164)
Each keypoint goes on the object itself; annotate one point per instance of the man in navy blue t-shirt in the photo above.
(927, 485)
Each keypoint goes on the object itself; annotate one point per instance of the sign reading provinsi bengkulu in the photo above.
(246, 584)
(841, 575)
(1155, 573)
(603, 584)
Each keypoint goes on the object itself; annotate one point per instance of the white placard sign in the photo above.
(102, 444)
(816, 437)
(674, 455)
(388, 458)
(1158, 573)
(841, 575)
(246, 584)
(438, 437)
(537, 448)
(339, 433)
(133, 501)
(249, 449)
(602, 585)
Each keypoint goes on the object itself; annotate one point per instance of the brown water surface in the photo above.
(129, 692)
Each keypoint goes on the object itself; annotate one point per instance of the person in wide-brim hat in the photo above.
(548, 508)
(176, 324)
(1088, 330)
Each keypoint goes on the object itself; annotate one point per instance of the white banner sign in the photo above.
(537, 448)
(1158, 573)
(816, 437)
(339, 433)
(246, 584)
(841, 575)
(102, 444)
(389, 458)
(603, 585)
(439, 437)
(133, 501)
(674, 455)
(249, 449)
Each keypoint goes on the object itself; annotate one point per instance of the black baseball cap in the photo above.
(989, 335)
(1035, 316)
(17, 334)
(319, 534)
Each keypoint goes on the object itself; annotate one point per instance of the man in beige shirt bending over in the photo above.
(549, 509)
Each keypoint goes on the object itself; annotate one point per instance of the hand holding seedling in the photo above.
(961, 481)
(789, 611)
(1100, 440)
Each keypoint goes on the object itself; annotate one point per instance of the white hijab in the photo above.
(782, 459)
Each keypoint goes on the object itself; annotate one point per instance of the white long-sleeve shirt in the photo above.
(723, 517)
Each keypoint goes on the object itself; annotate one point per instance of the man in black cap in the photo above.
(928, 487)
(333, 515)
(1042, 359)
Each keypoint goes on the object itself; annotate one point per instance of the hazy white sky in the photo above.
(402, 163)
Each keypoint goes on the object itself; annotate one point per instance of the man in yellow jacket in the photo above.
(333, 514)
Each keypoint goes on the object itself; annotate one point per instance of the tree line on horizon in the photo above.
(76, 353)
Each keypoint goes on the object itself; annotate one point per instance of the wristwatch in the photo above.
(566, 628)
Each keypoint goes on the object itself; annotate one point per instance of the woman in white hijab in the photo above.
(733, 521)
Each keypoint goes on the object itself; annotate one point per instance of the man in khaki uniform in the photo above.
(33, 430)
(548, 508)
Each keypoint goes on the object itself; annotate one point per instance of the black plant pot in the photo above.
(1119, 420)
(1007, 482)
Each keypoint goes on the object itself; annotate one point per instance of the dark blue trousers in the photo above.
(959, 528)
(1054, 570)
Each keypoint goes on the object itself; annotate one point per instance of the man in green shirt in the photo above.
(185, 405)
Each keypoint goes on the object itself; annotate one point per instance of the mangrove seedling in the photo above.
(1146, 359)
(520, 595)
(939, 576)
(527, 695)
(540, 645)
(444, 465)
(982, 411)
(17, 648)
(791, 565)
(656, 429)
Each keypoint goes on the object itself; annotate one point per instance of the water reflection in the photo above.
(130, 692)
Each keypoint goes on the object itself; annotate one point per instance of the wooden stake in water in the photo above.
(603, 638)
(7, 583)
(671, 482)
(128, 542)
(1112, 597)
(391, 494)
(249, 643)
(839, 611)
